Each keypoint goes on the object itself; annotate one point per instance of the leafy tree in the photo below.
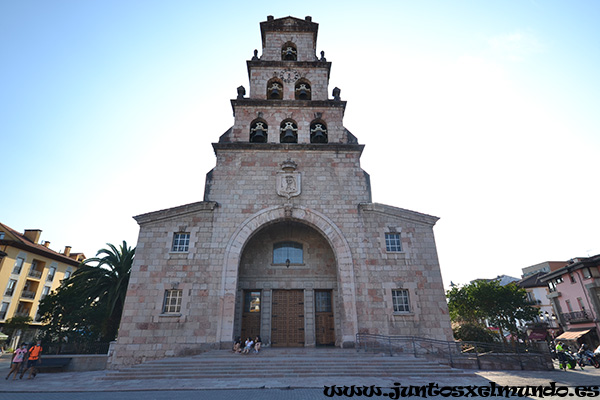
(70, 316)
(474, 332)
(16, 324)
(483, 300)
(90, 303)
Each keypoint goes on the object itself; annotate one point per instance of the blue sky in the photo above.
(481, 113)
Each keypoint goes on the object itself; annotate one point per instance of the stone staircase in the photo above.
(299, 364)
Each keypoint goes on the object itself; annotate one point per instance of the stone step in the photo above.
(280, 364)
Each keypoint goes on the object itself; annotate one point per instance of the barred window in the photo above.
(172, 303)
(392, 242)
(181, 242)
(400, 300)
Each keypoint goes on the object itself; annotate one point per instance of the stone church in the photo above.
(287, 243)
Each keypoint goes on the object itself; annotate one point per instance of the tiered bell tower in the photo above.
(288, 100)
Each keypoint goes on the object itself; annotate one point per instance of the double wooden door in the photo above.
(287, 318)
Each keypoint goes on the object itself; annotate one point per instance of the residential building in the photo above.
(545, 326)
(575, 294)
(29, 271)
(545, 267)
(287, 243)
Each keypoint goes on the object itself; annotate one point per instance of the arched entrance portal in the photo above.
(287, 287)
(344, 301)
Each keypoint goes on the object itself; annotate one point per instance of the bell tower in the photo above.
(288, 102)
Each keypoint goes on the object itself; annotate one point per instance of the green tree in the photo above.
(16, 324)
(69, 316)
(483, 300)
(90, 302)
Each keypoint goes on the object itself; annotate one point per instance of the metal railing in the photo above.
(576, 316)
(34, 273)
(28, 294)
(451, 352)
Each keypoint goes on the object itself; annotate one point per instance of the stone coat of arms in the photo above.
(289, 182)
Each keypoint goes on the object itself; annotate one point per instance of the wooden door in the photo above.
(287, 318)
(251, 314)
(324, 322)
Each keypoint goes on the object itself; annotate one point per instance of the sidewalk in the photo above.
(92, 382)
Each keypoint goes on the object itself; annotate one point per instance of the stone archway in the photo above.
(314, 219)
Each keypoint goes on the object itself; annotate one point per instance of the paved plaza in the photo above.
(91, 386)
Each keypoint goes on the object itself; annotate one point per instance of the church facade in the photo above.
(287, 243)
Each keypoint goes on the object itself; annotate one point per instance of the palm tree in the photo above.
(105, 283)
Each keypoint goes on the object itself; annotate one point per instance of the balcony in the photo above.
(576, 317)
(22, 313)
(34, 273)
(27, 294)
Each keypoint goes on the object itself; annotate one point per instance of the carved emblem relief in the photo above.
(289, 182)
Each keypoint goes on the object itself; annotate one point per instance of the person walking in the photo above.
(35, 354)
(17, 361)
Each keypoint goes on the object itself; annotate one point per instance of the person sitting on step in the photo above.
(257, 344)
(237, 345)
(248, 346)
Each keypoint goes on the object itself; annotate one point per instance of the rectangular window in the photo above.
(400, 300)
(572, 276)
(18, 265)
(568, 302)
(181, 242)
(392, 242)
(587, 273)
(1, 235)
(4, 310)
(172, 303)
(10, 289)
(288, 253)
(45, 291)
(51, 273)
(252, 301)
(322, 301)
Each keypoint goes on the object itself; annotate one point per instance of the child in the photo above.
(17, 360)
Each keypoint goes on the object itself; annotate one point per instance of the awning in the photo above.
(537, 335)
(572, 335)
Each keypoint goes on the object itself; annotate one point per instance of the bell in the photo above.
(275, 93)
(303, 95)
(319, 137)
(288, 136)
(289, 54)
(259, 136)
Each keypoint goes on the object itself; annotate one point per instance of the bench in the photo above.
(54, 363)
